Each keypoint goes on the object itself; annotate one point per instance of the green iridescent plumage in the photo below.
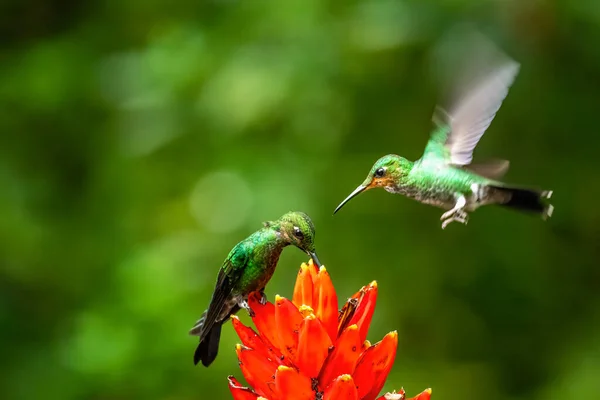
(445, 176)
(248, 268)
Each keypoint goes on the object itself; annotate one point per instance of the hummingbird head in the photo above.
(387, 172)
(297, 229)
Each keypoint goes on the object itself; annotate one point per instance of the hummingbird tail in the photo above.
(198, 329)
(208, 347)
(529, 200)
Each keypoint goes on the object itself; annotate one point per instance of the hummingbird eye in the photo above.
(380, 172)
(298, 233)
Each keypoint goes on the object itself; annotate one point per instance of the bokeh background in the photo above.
(141, 140)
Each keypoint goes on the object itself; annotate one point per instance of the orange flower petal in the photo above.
(364, 311)
(251, 340)
(292, 385)
(303, 290)
(240, 392)
(312, 268)
(246, 334)
(342, 359)
(326, 303)
(424, 395)
(264, 318)
(393, 396)
(258, 370)
(374, 366)
(288, 320)
(313, 346)
(342, 388)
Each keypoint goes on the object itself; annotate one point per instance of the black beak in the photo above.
(357, 191)
(315, 259)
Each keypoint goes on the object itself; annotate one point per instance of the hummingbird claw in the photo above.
(446, 222)
(458, 216)
(263, 298)
(244, 304)
(457, 213)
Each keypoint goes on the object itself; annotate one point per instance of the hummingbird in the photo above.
(445, 176)
(247, 269)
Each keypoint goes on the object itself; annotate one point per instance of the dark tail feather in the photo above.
(527, 200)
(209, 347)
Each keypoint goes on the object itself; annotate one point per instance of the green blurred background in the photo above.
(141, 140)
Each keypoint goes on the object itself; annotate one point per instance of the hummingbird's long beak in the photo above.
(315, 259)
(357, 191)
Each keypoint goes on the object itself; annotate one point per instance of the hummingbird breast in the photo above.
(264, 251)
(433, 195)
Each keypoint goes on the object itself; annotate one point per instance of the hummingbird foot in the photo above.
(461, 217)
(263, 298)
(461, 202)
(244, 304)
(457, 213)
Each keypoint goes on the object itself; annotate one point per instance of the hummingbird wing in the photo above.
(474, 112)
(227, 281)
(491, 169)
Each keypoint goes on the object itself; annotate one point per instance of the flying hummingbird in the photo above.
(444, 176)
(248, 268)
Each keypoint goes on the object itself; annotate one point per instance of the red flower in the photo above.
(306, 350)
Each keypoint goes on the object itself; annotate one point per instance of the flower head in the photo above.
(305, 349)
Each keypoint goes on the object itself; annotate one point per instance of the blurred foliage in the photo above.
(141, 140)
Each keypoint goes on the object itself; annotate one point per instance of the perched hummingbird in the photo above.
(248, 268)
(444, 176)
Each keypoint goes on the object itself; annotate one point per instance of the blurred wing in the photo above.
(491, 169)
(475, 111)
(228, 277)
